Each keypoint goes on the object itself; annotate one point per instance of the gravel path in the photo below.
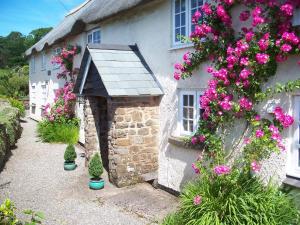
(34, 178)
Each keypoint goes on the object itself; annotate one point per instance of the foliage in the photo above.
(17, 104)
(242, 65)
(61, 131)
(14, 82)
(8, 215)
(70, 153)
(234, 200)
(95, 166)
(35, 35)
(13, 46)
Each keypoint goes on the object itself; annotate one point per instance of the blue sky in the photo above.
(27, 15)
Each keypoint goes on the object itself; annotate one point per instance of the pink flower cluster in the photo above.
(284, 119)
(257, 16)
(246, 104)
(197, 200)
(222, 169)
(195, 168)
(287, 9)
(255, 167)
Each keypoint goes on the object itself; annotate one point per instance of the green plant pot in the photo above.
(69, 166)
(96, 184)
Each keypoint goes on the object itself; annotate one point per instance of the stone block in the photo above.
(143, 131)
(121, 151)
(120, 111)
(123, 142)
(121, 125)
(138, 140)
(137, 116)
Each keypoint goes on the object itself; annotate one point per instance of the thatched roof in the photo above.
(91, 11)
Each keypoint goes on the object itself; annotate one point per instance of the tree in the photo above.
(36, 35)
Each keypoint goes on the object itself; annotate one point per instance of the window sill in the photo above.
(292, 181)
(181, 46)
(181, 142)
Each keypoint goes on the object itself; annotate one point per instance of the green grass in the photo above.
(58, 132)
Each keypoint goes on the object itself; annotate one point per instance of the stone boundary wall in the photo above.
(10, 129)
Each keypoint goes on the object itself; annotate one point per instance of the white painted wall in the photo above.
(150, 27)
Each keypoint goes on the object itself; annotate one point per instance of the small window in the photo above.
(32, 64)
(33, 108)
(183, 11)
(56, 52)
(94, 37)
(180, 20)
(43, 64)
(190, 111)
(44, 95)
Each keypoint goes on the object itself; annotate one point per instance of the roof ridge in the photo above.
(77, 8)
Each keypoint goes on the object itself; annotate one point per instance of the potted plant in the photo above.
(95, 171)
(70, 156)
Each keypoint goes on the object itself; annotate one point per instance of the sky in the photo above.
(27, 15)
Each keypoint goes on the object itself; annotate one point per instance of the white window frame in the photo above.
(188, 21)
(56, 52)
(43, 63)
(32, 64)
(196, 106)
(92, 35)
(293, 168)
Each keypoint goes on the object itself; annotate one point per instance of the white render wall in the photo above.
(150, 27)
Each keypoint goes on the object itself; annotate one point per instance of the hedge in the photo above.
(10, 129)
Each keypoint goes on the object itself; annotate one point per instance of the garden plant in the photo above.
(70, 156)
(228, 189)
(95, 172)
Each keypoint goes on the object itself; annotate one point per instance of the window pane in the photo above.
(193, 3)
(183, 33)
(191, 125)
(90, 38)
(191, 113)
(185, 113)
(185, 100)
(177, 35)
(182, 19)
(177, 20)
(201, 113)
(182, 5)
(191, 100)
(177, 6)
(185, 125)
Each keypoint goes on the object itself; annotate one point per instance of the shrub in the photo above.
(95, 166)
(234, 200)
(19, 105)
(70, 154)
(8, 215)
(57, 132)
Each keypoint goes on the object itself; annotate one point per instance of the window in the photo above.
(33, 92)
(33, 108)
(183, 11)
(294, 157)
(32, 64)
(44, 92)
(190, 111)
(56, 52)
(43, 64)
(94, 37)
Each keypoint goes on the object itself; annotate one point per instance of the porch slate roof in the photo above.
(122, 69)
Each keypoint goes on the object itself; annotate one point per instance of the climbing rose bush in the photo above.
(65, 100)
(240, 66)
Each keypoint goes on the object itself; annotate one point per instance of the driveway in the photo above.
(34, 178)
